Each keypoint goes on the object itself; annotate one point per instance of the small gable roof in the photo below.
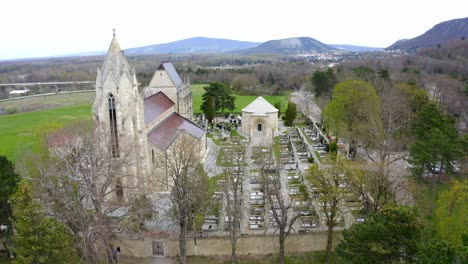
(167, 131)
(155, 105)
(171, 71)
(260, 106)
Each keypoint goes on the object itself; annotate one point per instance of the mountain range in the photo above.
(289, 46)
(194, 45)
(440, 34)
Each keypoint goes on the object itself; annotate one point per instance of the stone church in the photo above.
(140, 127)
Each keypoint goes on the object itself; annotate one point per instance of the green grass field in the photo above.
(241, 100)
(24, 132)
(46, 102)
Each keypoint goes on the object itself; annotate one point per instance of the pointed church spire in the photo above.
(114, 46)
(115, 62)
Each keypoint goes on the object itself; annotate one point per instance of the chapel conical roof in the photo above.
(260, 106)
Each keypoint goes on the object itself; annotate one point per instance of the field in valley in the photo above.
(23, 132)
(32, 118)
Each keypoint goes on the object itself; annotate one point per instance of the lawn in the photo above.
(46, 102)
(291, 258)
(241, 100)
(23, 132)
(62, 100)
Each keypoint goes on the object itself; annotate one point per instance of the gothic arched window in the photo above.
(114, 135)
(119, 190)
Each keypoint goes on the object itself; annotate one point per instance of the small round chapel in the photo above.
(260, 120)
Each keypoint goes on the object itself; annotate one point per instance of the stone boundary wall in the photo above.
(212, 246)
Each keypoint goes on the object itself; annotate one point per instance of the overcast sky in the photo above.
(31, 28)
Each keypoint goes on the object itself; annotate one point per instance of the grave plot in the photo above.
(258, 154)
(343, 209)
(307, 214)
(274, 206)
(232, 160)
(211, 218)
(230, 220)
(257, 197)
(302, 151)
(354, 205)
(286, 150)
(293, 135)
(287, 155)
(257, 218)
(255, 179)
(257, 209)
(229, 156)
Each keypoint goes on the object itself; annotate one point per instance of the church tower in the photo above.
(167, 80)
(118, 118)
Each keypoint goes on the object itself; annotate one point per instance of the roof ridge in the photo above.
(160, 123)
(162, 94)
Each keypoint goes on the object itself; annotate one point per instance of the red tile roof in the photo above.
(168, 130)
(155, 105)
(60, 139)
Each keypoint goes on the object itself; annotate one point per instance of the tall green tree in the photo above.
(222, 94)
(278, 106)
(365, 73)
(323, 82)
(210, 109)
(389, 236)
(452, 212)
(437, 251)
(8, 184)
(353, 113)
(290, 114)
(39, 238)
(416, 97)
(437, 142)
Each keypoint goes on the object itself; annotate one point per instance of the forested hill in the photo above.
(193, 45)
(440, 34)
(290, 46)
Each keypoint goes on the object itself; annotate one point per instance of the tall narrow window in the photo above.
(152, 154)
(259, 127)
(114, 136)
(119, 190)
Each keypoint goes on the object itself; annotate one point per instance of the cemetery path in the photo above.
(209, 163)
(306, 104)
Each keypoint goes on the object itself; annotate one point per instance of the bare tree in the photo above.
(281, 205)
(386, 179)
(189, 187)
(329, 187)
(374, 189)
(233, 176)
(86, 189)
